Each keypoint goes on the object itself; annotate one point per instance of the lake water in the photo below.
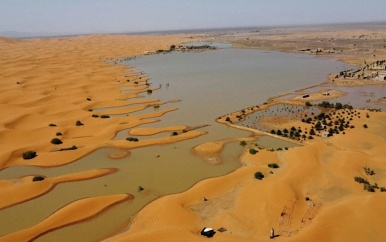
(209, 84)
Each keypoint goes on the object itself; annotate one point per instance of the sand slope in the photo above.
(338, 210)
(73, 213)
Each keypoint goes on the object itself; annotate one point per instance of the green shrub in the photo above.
(70, 148)
(90, 110)
(383, 189)
(174, 133)
(307, 199)
(361, 180)
(273, 165)
(56, 141)
(88, 99)
(132, 139)
(308, 104)
(259, 175)
(29, 155)
(228, 119)
(140, 188)
(149, 91)
(95, 116)
(369, 187)
(78, 123)
(365, 126)
(58, 134)
(52, 125)
(253, 151)
(105, 116)
(243, 143)
(38, 178)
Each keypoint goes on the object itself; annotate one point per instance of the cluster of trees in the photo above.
(327, 104)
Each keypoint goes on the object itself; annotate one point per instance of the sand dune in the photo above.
(247, 208)
(73, 213)
(20, 190)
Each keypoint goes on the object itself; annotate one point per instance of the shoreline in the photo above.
(122, 144)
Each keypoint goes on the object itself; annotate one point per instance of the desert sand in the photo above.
(47, 85)
(311, 197)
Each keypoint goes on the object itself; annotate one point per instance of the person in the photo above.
(272, 233)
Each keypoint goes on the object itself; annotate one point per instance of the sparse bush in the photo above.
(383, 189)
(365, 126)
(307, 199)
(105, 116)
(259, 175)
(174, 133)
(90, 110)
(58, 134)
(29, 155)
(70, 148)
(38, 178)
(369, 187)
(132, 139)
(308, 104)
(361, 180)
(273, 165)
(140, 188)
(95, 116)
(243, 143)
(227, 119)
(78, 123)
(56, 141)
(149, 91)
(88, 99)
(253, 151)
(52, 125)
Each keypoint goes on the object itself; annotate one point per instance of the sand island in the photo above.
(329, 188)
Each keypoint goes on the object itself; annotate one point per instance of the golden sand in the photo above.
(61, 80)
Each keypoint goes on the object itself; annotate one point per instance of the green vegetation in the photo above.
(88, 99)
(149, 91)
(58, 134)
(70, 148)
(253, 151)
(78, 123)
(228, 119)
(105, 116)
(90, 110)
(368, 171)
(132, 139)
(38, 178)
(273, 165)
(52, 125)
(259, 175)
(174, 133)
(140, 188)
(361, 180)
(56, 141)
(369, 187)
(365, 126)
(243, 143)
(29, 155)
(95, 116)
(383, 189)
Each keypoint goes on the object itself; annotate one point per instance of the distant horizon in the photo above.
(30, 35)
(36, 18)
